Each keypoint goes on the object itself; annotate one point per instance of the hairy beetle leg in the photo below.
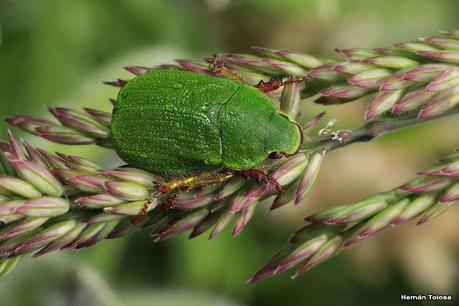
(143, 211)
(170, 202)
(260, 177)
(222, 69)
(274, 84)
(184, 184)
(161, 189)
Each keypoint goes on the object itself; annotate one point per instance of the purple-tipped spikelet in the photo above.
(423, 198)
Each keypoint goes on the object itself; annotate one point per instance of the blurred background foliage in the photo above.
(58, 52)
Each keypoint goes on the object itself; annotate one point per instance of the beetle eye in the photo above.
(274, 155)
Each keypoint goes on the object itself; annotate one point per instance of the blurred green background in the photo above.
(58, 52)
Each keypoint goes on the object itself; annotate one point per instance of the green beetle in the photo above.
(180, 123)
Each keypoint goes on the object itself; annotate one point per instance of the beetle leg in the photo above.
(160, 190)
(279, 155)
(275, 184)
(205, 180)
(185, 184)
(170, 202)
(222, 69)
(274, 84)
(256, 174)
(143, 211)
(261, 176)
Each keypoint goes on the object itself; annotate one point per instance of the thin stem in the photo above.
(367, 132)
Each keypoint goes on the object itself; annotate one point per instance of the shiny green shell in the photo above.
(179, 122)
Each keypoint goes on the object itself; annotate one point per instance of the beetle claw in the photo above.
(276, 185)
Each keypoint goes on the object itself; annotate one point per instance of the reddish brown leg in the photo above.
(135, 220)
(274, 84)
(170, 202)
(279, 155)
(261, 176)
(161, 189)
(175, 186)
(220, 68)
